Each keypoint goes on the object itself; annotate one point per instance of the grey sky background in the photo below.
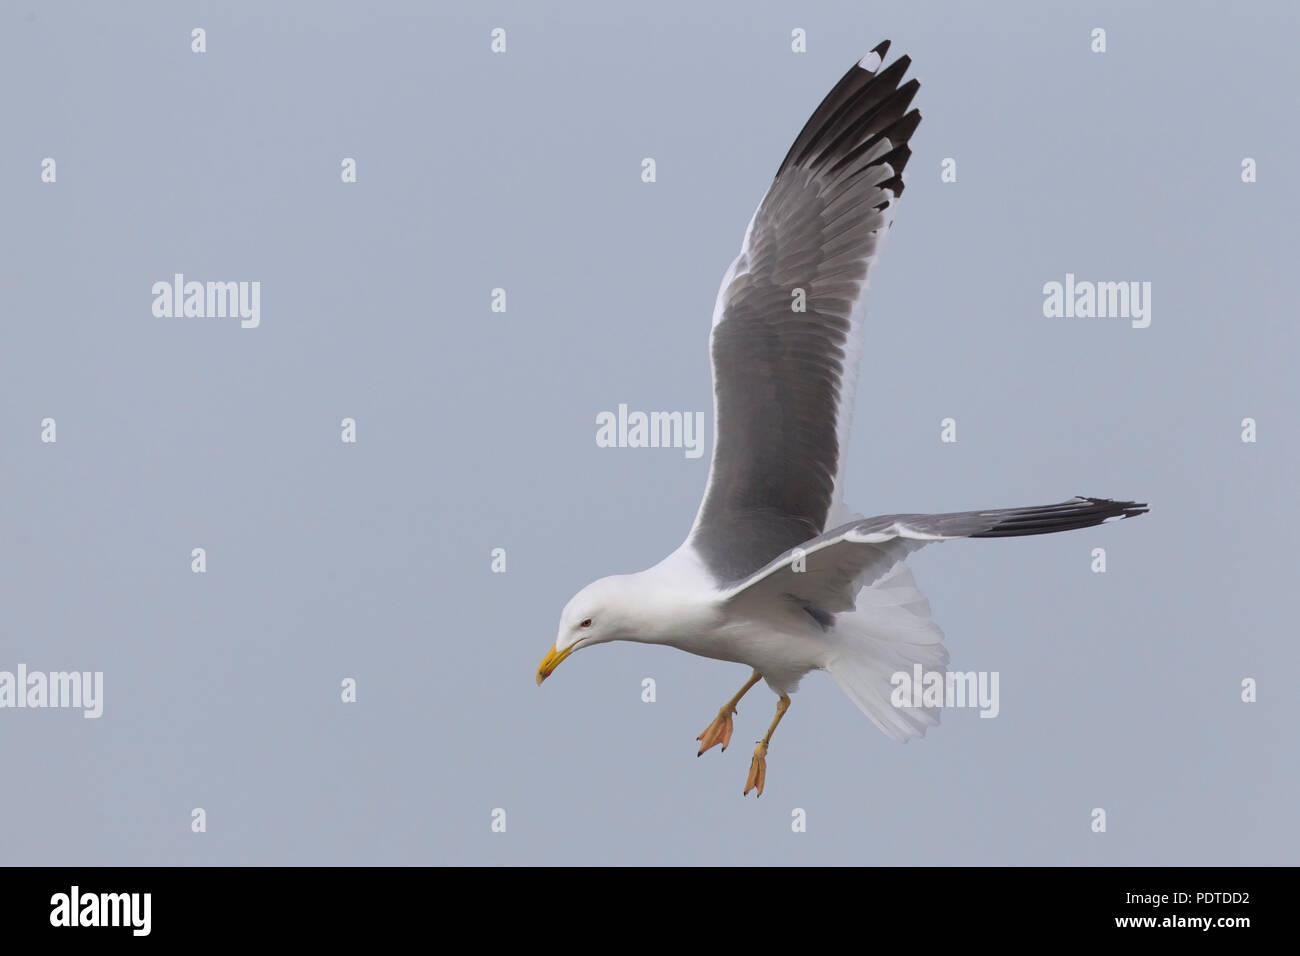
(477, 430)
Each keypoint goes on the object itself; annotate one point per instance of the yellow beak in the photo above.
(552, 660)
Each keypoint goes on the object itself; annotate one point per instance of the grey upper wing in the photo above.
(783, 378)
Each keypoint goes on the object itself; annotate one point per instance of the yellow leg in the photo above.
(758, 766)
(720, 730)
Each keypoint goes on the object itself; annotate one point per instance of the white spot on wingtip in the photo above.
(870, 62)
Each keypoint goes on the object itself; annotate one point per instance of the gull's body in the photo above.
(774, 636)
(777, 573)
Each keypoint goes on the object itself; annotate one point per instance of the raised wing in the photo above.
(787, 332)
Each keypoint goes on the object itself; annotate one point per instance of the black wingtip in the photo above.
(1079, 512)
(869, 99)
(1122, 509)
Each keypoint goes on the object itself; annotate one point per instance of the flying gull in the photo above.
(777, 573)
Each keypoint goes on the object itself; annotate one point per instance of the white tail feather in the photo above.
(889, 631)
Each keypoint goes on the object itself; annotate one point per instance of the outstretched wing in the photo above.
(828, 571)
(787, 326)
